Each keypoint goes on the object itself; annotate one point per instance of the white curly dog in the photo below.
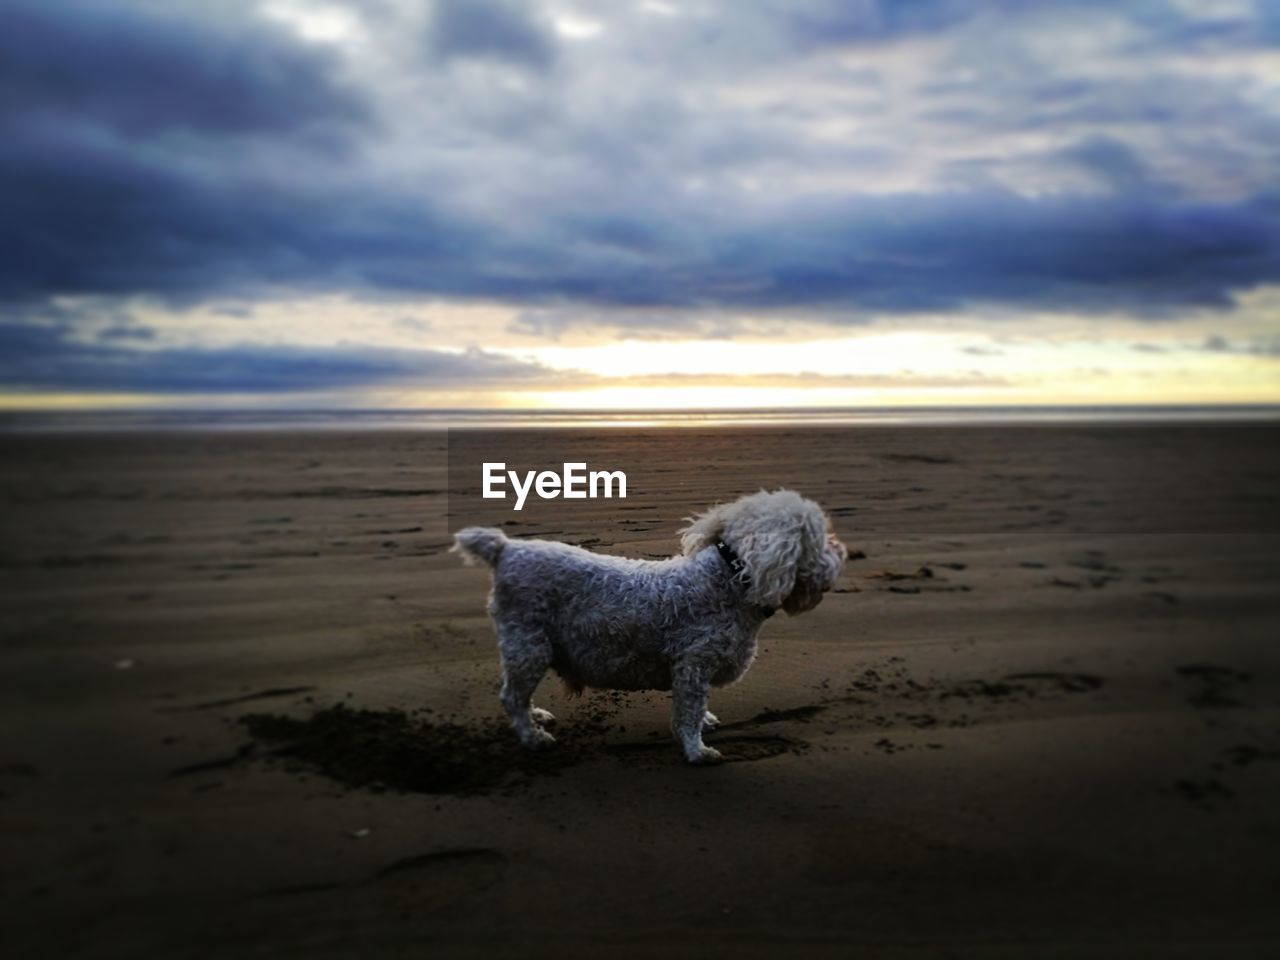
(686, 624)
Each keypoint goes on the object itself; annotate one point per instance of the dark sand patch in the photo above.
(1218, 685)
(1069, 682)
(1025, 686)
(918, 458)
(1205, 793)
(1246, 754)
(383, 750)
(391, 750)
(921, 573)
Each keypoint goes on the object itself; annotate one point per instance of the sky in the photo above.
(650, 204)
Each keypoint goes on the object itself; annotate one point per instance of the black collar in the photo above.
(734, 561)
(739, 570)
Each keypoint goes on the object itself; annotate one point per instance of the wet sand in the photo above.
(250, 706)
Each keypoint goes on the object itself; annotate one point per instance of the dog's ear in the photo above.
(771, 558)
(783, 549)
(767, 530)
(821, 563)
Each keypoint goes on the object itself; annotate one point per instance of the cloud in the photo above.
(138, 71)
(238, 311)
(1256, 346)
(502, 30)
(162, 152)
(847, 160)
(127, 332)
(1112, 162)
(1216, 343)
(112, 223)
(44, 358)
(836, 22)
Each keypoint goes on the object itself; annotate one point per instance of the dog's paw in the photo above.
(542, 716)
(538, 739)
(706, 756)
(710, 721)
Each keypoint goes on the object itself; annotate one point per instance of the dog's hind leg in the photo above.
(525, 659)
(689, 691)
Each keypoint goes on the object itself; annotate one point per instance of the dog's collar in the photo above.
(734, 561)
(739, 569)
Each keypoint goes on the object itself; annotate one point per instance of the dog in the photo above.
(686, 624)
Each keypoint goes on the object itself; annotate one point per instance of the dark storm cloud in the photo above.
(93, 216)
(142, 72)
(1138, 251)
(136, 152)
(925, 252)
(121, 225)
(43, 358)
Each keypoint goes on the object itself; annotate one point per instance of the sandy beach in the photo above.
(250, 706)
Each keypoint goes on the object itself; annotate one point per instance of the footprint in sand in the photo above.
(1217, 686)
(1204, 793)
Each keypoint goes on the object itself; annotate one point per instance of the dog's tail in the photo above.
(480, 543)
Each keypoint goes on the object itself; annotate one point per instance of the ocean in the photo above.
(422, 419)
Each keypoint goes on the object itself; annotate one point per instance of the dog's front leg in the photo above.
(689, 691)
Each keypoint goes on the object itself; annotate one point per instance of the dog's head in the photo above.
(785, 543)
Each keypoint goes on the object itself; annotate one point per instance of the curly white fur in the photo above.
(685, 624)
